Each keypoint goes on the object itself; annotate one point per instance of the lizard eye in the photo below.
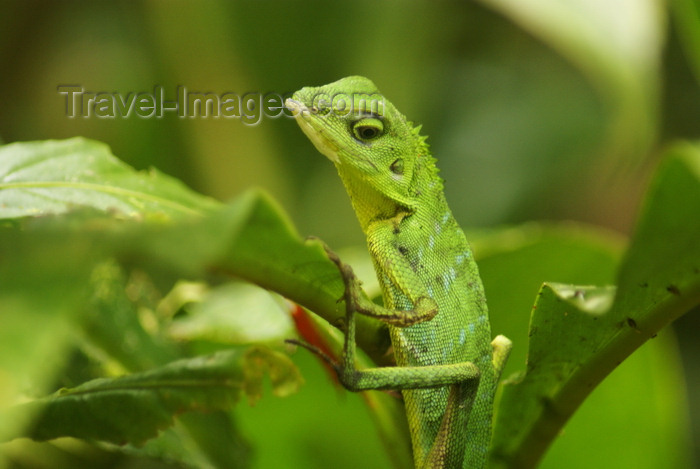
(368, 129)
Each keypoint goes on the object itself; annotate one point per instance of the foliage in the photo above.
(536, 109)
(577, 334)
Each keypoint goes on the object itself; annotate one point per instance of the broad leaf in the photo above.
(252, 238)
(576, 340)
(134, 408)
(224, 316)
(56, 176)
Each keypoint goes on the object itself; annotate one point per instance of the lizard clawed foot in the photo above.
(316, 351)
(352, 284)
(345, 270)
(356, 301)
(425, 309)
(316, 240)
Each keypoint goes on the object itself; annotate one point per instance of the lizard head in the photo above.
(377, 152)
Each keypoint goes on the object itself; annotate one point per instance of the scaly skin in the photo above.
(433, 297)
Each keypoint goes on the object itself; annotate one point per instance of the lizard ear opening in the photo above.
(397, 167)
(368, 129)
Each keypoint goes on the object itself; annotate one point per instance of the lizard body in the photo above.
(434, 303)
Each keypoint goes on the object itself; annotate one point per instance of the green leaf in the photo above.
(197, 440)
(56, 176)
(112, 321)
(134, 408)
(41, 294)
(514, 262)
(252, 238)
(267, 251)
(610, 421)
(218, 317)
(575, 340)
(660, 277)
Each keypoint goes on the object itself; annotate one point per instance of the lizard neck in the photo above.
(369, 203)
(389, 199)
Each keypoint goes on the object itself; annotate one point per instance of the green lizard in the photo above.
(434, 305)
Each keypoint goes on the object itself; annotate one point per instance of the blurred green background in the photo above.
(536, 110)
